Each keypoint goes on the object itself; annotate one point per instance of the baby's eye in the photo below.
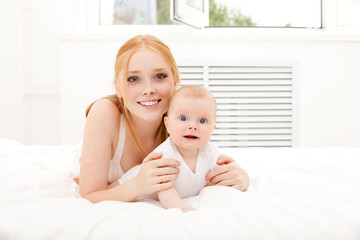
(161, 76)
(183, 118)
(132, 79)
(202, 121)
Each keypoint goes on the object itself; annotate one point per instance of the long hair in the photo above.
(123, 57)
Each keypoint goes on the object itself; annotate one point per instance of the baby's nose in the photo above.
(192, 127)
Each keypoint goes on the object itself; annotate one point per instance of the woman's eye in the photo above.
(161, 76)
(183, 118)
(132, 79)
(202, 121)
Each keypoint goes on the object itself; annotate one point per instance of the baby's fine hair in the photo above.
(193, 91)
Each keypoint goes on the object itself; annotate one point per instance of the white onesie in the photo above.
(187, 184)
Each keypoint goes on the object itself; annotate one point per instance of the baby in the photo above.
(190, 121)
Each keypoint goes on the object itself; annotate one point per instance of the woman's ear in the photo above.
(117, 88)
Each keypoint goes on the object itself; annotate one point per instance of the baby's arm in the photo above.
(125, 177)
(170, 199)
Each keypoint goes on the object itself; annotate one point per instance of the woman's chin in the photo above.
(150, 118)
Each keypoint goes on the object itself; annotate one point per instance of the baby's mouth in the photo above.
(190, 137)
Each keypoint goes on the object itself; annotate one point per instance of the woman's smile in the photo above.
(149, 103)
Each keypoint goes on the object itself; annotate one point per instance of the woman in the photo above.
(122, 129)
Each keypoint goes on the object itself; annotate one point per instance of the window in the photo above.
(215, 13)
(266, 13)
(138, 12)
(230, 13)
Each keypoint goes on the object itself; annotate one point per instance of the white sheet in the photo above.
(295, 193)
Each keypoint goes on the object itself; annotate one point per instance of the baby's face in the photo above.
(191, 121)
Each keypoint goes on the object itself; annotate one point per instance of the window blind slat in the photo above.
(254, 76)
(215, 137)
(246, 82)
(241, 119)
(254, 113)
(224, 94)
(252, 131)
(192, 82)
(262, 88)
(193, 76)
(235, 125)
(245, 69)
(255, 106)
(253, 100)
(239, 143)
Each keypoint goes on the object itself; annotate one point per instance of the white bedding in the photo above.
(295, 193)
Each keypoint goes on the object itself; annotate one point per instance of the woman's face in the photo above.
(150, 83)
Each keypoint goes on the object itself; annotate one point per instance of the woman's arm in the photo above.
(99, 134)
(147, 181)
(101, 129)
(229, 173)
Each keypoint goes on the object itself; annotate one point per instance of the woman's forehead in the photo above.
(147, 57)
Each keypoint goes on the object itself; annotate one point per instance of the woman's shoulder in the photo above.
(102, 124)
(104, 114)
(104, 107)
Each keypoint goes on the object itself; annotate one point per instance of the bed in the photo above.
(295, 193)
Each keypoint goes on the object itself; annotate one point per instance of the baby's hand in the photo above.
(187, 208)
(113, 184)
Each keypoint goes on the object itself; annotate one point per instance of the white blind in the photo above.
(256, 100)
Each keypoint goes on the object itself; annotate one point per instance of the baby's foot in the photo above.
(187, 208)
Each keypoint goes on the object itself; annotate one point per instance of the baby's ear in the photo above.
(166, 123)
(214, 126)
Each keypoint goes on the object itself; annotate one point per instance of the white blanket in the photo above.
(295, 193)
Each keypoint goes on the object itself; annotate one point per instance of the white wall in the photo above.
(11, 70)
(60, 63)
(30, 97)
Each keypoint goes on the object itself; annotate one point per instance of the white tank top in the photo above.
(115, 170)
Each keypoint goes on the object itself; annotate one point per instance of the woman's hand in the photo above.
(156, 174)
(229, 173)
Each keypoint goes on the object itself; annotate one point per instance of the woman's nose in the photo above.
(148, 89)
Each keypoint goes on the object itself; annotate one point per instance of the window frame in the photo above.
(86, 19)
(182, 13)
